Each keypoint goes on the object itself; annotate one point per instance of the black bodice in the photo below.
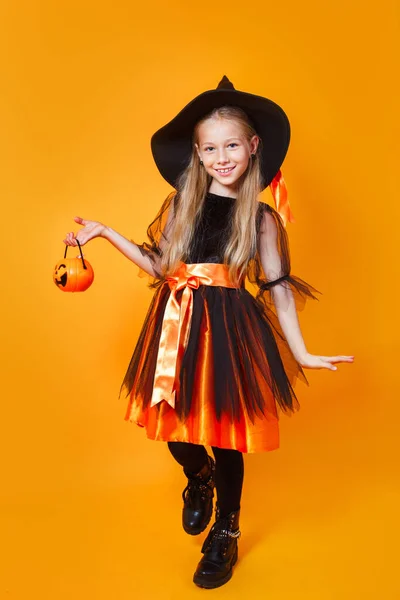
(212, 230)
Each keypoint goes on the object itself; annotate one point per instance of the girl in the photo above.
(212, 362)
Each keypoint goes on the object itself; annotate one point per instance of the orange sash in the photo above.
(176, 324)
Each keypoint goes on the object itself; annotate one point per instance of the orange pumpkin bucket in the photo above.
(73, 274)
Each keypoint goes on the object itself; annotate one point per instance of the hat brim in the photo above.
(171, 145)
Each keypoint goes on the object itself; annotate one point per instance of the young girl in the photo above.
(212, 361)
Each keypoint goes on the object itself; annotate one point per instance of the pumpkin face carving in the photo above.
(60, 274)
(73, 274)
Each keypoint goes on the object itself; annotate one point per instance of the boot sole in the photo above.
(209, 585)
(198, 531)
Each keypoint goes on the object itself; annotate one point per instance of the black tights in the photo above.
(229, 471)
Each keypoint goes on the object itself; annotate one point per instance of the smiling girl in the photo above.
(213, 364)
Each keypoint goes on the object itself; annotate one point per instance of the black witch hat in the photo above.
(172, 144)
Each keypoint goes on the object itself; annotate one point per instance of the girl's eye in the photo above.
(212, 147)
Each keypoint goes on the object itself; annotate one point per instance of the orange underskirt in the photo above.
(163, 425)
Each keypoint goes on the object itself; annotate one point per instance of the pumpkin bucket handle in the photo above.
(80, 250)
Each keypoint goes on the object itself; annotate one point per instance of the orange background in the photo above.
(91, 508)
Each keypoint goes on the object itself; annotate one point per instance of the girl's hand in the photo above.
(311, 361)
(90, 230)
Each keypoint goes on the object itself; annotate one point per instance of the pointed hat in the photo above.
(172, 144)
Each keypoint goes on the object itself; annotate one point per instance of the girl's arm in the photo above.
(274, 256)
(281, 294)
(147, 257)
(129, 249)
(93, 229)
(288, 320)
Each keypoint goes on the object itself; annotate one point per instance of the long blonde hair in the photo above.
(192, 187)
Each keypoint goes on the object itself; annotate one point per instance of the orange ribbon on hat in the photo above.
(176, 324)
(279, 193)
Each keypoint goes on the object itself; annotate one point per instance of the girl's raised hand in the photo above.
(312, 361)
(90, 230)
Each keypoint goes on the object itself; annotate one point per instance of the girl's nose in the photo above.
(222, 157)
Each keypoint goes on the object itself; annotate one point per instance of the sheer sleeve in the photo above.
(270, 268)
(158, 233)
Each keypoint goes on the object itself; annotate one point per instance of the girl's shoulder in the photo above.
(269, 219)
(265, 207)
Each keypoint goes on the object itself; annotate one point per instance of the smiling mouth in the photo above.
(225, 171)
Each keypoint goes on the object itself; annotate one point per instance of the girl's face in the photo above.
(225, 152)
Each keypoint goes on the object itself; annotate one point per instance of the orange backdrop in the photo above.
(91, 508)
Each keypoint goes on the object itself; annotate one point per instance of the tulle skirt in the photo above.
(236, 373)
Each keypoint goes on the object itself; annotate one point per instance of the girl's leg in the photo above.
(198, 495)
(220, 548)
(191, 457)
(229, 474)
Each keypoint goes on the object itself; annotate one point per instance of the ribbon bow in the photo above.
(176, 324)
(279, 193)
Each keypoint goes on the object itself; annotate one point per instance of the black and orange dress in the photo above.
(211, 365)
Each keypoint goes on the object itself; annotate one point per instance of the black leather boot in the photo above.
(220, 551)
(198, 499)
